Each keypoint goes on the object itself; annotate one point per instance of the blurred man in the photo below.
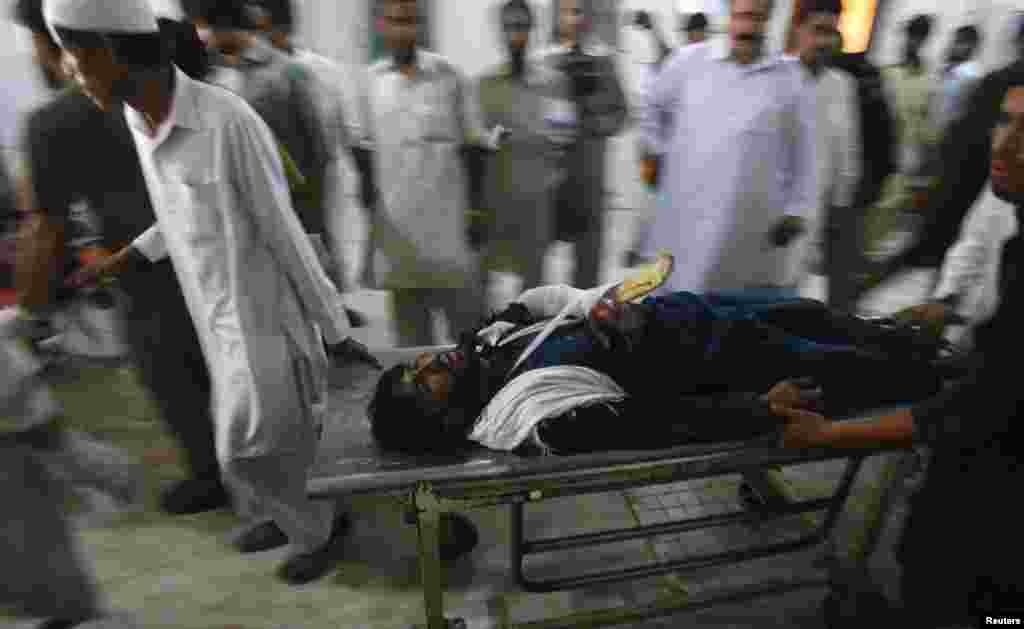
(254, 286)
(420, 117)
(599, 108)
(912, 92)
(960, 75)
(839, 150)
(276, 19)
(40, 573)
(518, 180)
(974, 431)
(694, 28)
(734, 130)
(876, 122)
(964, 155)
(969, 281)
(287, 97)
(62, 170)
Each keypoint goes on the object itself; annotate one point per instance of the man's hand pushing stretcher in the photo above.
(106, 268)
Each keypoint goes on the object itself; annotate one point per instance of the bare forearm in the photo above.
(894, 429)
(38, 260)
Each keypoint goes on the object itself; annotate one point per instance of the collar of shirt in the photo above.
(183, 112)
(720, 49)
(260, 52)
(590, 46)
(533, 76)
(426, 62)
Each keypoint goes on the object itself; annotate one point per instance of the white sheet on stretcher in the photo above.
(514, 412)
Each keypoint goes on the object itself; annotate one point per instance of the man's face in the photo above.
(400, 26)
(817, 38)
(230, 43)
(434, 376)
(48, 59)
(97, 73)
(1008, 149)
(914, 44)
(516, 25)
(571, 19)
(960, 50)
(747, 22)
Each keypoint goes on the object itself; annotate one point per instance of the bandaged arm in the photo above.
(545, 302)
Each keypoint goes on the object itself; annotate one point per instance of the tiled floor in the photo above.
(178, 572)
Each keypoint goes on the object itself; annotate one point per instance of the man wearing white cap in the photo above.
(254, 286)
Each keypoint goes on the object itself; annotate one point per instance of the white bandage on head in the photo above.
(100, 16)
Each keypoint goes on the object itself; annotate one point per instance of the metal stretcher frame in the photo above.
(432, 487)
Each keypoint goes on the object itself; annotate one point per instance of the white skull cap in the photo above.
(101, 16)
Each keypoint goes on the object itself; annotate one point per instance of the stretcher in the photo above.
(431, 486)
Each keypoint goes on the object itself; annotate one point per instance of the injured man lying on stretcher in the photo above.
(568, 371)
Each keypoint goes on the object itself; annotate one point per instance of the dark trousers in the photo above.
(169, 358)
(696, 375)
(960, 550)
(844, 255)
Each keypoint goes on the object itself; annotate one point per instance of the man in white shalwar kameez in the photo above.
(734, 131)
(252, 281)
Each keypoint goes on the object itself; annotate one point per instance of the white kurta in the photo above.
(971, 267)
(839, 144)
(738, 153)
(416, 129)
(251, 279)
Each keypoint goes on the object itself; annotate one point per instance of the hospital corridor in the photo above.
(498, 314)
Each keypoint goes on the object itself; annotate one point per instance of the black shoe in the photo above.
(58, 623)
(307, 567)
(260, 538)
(194, 496)
(458, 536)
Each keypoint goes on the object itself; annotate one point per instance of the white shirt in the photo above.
(839, 138)
(252, 281)
(416, 129)
(971, 267)
(332, 96)
(738, 145)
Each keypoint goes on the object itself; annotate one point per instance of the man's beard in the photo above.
(53, 79)
(912, 57)
(517, 61)
(405, 56)
(956, 58)
(824, 57)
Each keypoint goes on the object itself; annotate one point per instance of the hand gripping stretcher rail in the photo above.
(350, 464)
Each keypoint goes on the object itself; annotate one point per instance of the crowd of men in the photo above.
(219, 192)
